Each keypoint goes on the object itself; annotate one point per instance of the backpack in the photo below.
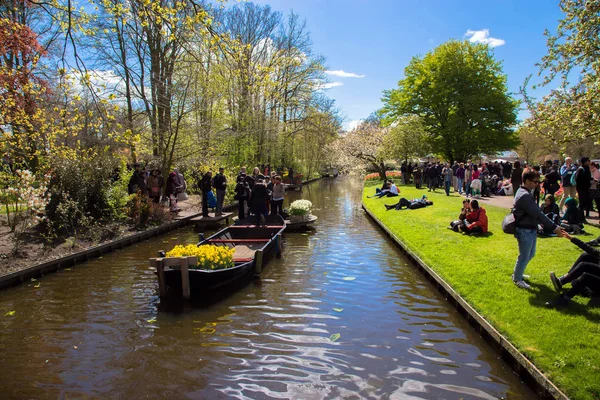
(574, 176)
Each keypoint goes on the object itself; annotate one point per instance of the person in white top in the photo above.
(391, 191)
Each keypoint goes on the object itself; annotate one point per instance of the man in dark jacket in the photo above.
(528, 217)
(432, 177)
(220, 184)
(583, 183)
(551, 179)
(205, 186)
(137, 182)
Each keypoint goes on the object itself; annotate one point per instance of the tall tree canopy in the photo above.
(573, 52)
(460, 92)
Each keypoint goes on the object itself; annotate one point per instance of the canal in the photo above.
(341, 315)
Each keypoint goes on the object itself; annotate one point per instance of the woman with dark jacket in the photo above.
(551, 179)
(573, 219)
(171, 191)
(516, 177)
(258, 200)
(583, 276)
(242, 192)
(550, 209)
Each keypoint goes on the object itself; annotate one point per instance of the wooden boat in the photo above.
(301, 224)
(253, 247)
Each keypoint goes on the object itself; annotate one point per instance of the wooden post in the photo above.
(185, 277)
(278, 245)
(160, 269)
(258, 261)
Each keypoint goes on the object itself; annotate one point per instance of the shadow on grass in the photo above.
(544, 293)
(482, 235)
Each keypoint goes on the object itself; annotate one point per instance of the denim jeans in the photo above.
(468, 188)
(460, 185)
(447, 187)
(526, 238)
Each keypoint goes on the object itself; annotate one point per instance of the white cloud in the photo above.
(483, 36)
(344, 74)
(353, 124)
(328, 85)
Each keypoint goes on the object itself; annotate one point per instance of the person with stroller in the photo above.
(550, 209)
(584, 276)
(573, 218)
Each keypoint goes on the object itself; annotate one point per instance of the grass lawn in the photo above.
(564, 343)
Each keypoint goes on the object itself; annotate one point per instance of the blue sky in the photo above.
(377, 38)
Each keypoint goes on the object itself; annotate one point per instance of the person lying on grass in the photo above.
(550, 209)
(573, 219)
(391, 190)
(410, 204)
(475, 221)
(584, 276)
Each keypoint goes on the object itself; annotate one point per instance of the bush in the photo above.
(143, 212)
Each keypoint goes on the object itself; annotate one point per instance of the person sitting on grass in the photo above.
(466, 208)
(573, 219)
(410, 204)
(550, 209)
(584, 276)
(390, 191)
(476, 221)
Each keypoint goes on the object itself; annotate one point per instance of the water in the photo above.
(97, 330)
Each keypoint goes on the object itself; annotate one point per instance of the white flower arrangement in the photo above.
(300, 207)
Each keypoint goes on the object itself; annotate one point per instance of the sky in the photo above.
(368, 43)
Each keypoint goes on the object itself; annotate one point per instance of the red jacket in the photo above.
(478, 218)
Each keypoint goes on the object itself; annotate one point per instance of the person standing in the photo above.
(258, 200)
(154, 186)
(278, 196)
(583, 183)
(460, 178)
(291, 175)
(137, 182)
(403, 172)
(569, 190)
(432, 178)
(528, 216)
(205, 186)
(455, 179)
(468, 179)
(516, 177)
(551, 179)
(171, 191)
(409, 172)
(447, 173)
(242, 193)
(219, 182)
(594, 188)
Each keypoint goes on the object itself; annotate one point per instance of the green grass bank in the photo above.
(563, 343)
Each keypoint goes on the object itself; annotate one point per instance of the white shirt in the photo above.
(394, 189)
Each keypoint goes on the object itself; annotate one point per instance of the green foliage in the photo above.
(563, 343)
(460, 92)
(407, 139)
(570, 111)
(78, 191)
(142, 212)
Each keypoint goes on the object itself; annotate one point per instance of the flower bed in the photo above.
(388, 174)
(209, 257)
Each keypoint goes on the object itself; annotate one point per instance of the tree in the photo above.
(529, 147)
(407, 139)
(460, 92)
(365, 144)
(572, 108)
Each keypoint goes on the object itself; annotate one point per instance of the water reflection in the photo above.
(341, 315)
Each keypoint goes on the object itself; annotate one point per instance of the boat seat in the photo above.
(239, 240)
(254, 226)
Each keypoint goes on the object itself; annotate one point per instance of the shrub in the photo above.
(143, 212)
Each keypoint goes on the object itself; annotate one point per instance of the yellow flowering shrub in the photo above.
(210, 257)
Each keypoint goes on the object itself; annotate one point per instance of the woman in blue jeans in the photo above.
(528, 217)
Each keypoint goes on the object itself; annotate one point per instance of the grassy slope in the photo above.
(564, 344)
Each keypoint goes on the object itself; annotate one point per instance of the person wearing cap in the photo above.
(583, 183)
(219, 182)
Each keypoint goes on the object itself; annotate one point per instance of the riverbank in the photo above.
(35, 251)
(563, 343)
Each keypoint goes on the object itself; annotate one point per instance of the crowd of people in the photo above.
(257, 194)
(576, 184)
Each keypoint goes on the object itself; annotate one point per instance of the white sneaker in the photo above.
(522, 284)
(524, 277)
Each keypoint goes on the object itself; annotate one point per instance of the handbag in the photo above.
(509, 223)
(182, 196)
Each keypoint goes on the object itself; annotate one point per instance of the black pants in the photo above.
(241, 210)
(585, 200)
(474, 230)
(402, 203)
(585, 257)
(579, 285)
(276, 207)
(580, 269)
(205, 204)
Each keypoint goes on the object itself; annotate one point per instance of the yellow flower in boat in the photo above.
(210, 257)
